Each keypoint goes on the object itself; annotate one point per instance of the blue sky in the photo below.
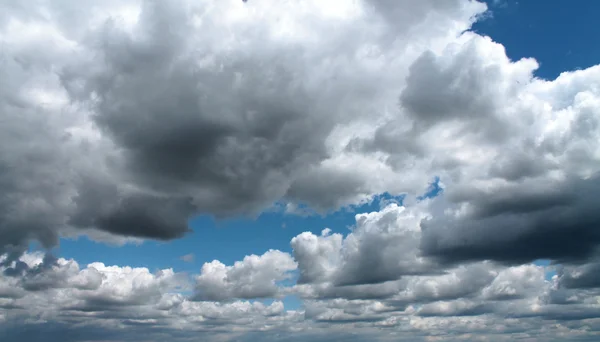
(556, 32)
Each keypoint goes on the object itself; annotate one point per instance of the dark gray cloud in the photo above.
(519, 225)
(584, 276)
(142, 215)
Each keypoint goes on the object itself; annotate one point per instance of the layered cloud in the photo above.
(245, 301)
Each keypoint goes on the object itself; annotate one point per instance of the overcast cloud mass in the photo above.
(122, 120)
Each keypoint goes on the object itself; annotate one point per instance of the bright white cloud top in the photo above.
(121, 120)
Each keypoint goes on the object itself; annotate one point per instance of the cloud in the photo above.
(383, 246)
(455, 308)
(516, 283)
(131, 128)
(129, 303)
(254, 277)
(579, 276)
(507, 225)
(188, 257)
(114, 298)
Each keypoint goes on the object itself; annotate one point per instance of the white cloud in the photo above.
(135, 301)
(254, 277)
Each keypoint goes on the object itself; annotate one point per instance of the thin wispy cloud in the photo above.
(188, 257)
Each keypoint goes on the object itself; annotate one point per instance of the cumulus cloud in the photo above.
(254, 277)
(541, 192)
(64, 294)
(383, 246)
(59, 296)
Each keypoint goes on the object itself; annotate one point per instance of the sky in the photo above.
(364, 170)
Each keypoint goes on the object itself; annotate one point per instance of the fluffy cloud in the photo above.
(57, 292)
(480, 299)
(383, 246)
(94, 288)
(254, 277)
(334, 258)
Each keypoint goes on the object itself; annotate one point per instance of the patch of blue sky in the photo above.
(435, 188)
(291, 302)
(560, 37)
(549, 267)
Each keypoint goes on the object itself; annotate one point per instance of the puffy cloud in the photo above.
(512, 150)
(383, 246)
(499, 203)
(462, 282)
(126, 285)
(516, 282)
(254, 277)
(317, 256)
(454, 308)
(60, 293)
(94, 288)
(132, 302)
(381, 258)
(346, 311)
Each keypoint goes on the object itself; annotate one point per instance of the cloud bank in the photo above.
(244, 301)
